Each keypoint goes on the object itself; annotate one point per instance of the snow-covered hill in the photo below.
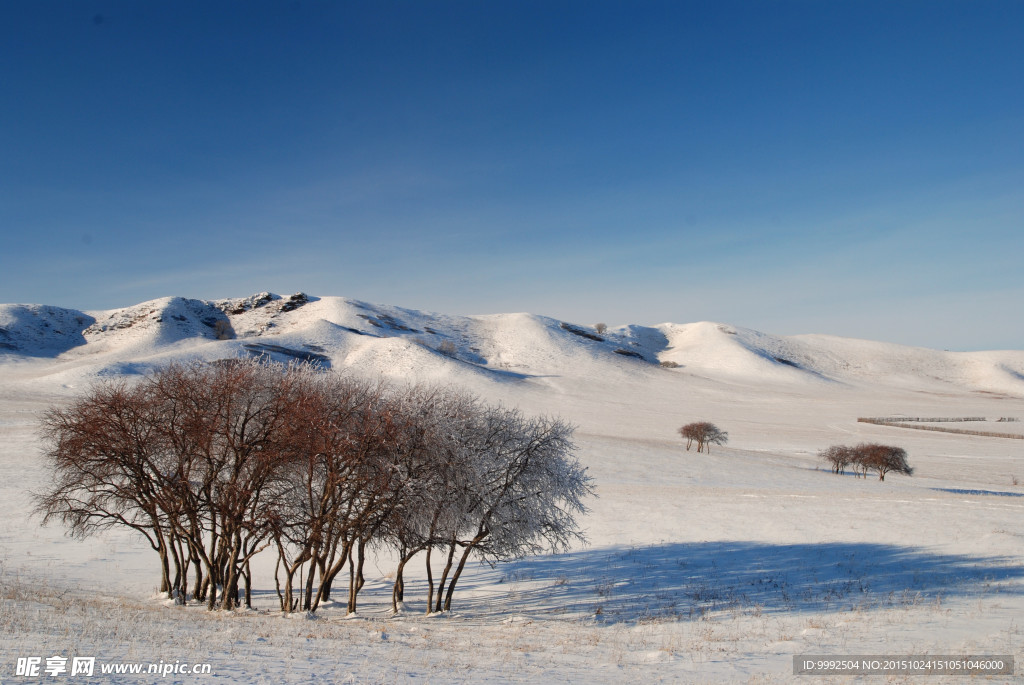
(399, 342)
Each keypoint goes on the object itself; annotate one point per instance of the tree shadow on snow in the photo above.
(682, 581)
(994, 493)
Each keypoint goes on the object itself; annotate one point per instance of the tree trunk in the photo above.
(165, 569)
(326, 581)
(360, 578)
(277, 582)
(462, 564)
(177, 585)
(398, 592)
(356, 579)
(199, 588)
(211, 590)
(444, 576)
(186, 565)
(247, 575)
(310, 576)
(351, 581)
(430, 582)
(231, 571)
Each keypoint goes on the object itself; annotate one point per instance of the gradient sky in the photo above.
(851, 168)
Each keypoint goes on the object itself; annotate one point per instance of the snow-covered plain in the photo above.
(699, 568)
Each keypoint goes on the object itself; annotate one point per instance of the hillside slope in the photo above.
(398, 342)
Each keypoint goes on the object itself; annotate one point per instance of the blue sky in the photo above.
(852, 168)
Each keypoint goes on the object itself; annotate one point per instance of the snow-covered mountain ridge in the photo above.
(341, 332)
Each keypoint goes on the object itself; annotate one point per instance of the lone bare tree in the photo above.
(704, 434)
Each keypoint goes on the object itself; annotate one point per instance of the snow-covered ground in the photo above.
(700, 568)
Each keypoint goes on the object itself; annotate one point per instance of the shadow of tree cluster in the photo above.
(684, 581)
(994, 493)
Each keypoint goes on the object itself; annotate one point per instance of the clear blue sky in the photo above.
(853, 168)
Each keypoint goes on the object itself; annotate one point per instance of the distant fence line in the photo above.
(922, 419)
(908, 422)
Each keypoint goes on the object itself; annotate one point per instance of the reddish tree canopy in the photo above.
(704, 434)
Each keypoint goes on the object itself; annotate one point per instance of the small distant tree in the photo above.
(839, 457)
(600, 328)
(883, 459)
(704, 434)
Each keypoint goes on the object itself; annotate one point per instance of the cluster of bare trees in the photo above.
(213, 463)
(704, 434)
(867, 457)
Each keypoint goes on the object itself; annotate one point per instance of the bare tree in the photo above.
(433, 467)
(184, 457)
(523, 493)
(839, 456)
(320, 470)
(883, 459)
(343, 440)
(107, 459)
(867, 457)
(223, 423)
(704, 434)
